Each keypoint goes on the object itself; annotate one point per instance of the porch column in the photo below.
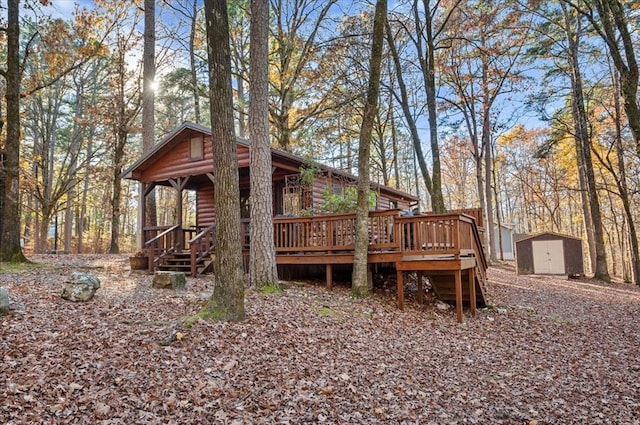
(179, 185)
(142, 213)
(145, 190)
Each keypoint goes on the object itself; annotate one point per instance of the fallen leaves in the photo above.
(549, 351)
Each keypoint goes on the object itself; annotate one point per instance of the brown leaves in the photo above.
(550, 351)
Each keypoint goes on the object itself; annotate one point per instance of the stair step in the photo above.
(444, 288)
(175, 267)
(178, 261)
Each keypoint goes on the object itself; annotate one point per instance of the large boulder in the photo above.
(80, 287)
(4, 301)
(169, 280)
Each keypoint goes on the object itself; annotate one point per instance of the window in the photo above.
(297, 195)
(196, 148)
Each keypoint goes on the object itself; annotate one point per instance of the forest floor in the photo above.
(547, 351)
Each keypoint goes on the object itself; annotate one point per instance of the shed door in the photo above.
(548, 257)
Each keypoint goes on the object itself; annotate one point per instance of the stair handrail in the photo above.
(194, 243)
(151, 246)
(161, 235)
(202, 233)
(476, 237)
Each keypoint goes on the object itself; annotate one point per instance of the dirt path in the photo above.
(550, 351)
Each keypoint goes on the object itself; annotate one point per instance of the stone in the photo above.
(169, 280)
(80, 287)
(442, 306)
(4, 302)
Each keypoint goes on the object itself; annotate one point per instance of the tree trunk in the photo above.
(394, 140)
(241, 112)
(495, 191)
(148, 97)
(621, 181)
(584, 148)
(411, 124)
(429, 75)
(116, 184)
(192, 62)
(227, 301)
(262, 268)
(360, 286)
(10, 249)
(488, 225)
(76, 139)
(613, 29)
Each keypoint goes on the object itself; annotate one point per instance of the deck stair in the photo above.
(181, 262)
(444, 288)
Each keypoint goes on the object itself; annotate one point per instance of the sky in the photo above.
(65, 8)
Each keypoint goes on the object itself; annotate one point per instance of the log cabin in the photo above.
(446, 248)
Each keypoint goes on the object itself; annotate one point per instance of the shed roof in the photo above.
(559, 235)
(171, 139)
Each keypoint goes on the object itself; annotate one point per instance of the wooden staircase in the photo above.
(447, 248)
(181, 262)
(445, 290)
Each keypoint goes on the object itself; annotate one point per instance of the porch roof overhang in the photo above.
(165, 145)
(280, 159)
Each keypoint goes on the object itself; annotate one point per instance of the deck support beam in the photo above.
(472, 291)
(458, 283)
(400, 289)
(420, 289)
(329, 276)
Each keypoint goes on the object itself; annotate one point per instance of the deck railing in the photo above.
(332, 232)
(437, 234)
(434, 234)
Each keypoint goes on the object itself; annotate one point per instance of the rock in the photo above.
(4, 301)
(169, 280)
(80, 287)
(501, 310)
(442, 306)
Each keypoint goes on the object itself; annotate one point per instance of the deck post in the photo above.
(329, 276)
(400, 289)
(458, 282)
(472, 291)
(420, 289)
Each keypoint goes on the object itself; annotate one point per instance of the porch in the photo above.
(445, 247)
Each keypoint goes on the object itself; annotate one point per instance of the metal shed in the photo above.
(550, 253)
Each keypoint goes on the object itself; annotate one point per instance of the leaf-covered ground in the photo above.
(550, 351)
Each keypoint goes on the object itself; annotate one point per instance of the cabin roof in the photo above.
(171, 139)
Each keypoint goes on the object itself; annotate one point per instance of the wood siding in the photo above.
(205, 209)
(177, 163)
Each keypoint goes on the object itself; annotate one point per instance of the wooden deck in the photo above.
(445, 247)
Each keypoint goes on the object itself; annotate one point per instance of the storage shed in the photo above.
(550, 253)
(506, 236)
